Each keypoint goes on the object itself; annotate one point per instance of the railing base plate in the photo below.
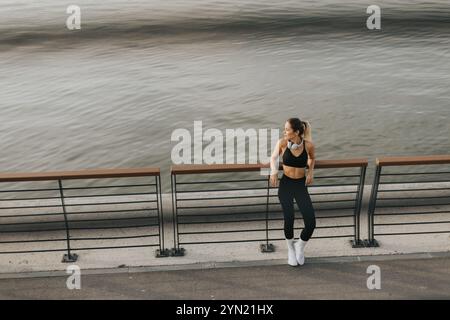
(358, 243)
(371, 243)
(162, 253)
(69, 258)
(177, 252)
(267, 247)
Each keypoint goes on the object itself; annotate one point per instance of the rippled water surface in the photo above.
(111, 94)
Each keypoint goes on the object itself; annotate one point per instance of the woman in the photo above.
(297, 152)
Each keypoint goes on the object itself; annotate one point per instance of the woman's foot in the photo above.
(292, 260)
(300, 251)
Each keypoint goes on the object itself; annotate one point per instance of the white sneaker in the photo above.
(292, 260)
(300, 251)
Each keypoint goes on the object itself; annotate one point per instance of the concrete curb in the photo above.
(231, 264)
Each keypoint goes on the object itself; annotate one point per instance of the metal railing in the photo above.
(418, 192)
(76, 210)
(234, 195)
(230, 203)
(236, 200)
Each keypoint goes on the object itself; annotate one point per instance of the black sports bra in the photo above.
(299, 162)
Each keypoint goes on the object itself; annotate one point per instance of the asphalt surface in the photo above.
(399, 279)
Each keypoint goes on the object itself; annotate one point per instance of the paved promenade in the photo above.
(401, 277)
(412, 267)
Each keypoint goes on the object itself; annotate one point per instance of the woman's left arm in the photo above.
(311, 163)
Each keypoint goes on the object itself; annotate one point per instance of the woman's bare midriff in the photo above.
(293, 172)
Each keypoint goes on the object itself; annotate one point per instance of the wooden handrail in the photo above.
(175, 169)
(82, 174)
(404, 161)
(344, 163)
(217, 168)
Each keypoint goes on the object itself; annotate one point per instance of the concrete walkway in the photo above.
(235, 254)
(402, 277)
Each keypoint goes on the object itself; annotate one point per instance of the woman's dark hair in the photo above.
(303, 127)
(296, 125)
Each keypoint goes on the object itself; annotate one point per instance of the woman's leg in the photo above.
(304, 204)
(285, 195)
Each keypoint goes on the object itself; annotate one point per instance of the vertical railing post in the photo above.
(371, 242)
(176, 251)
(267, 247)
(69, 256)
(161, 252)
(357, 242)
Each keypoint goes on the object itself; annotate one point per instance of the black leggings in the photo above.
(288, 190)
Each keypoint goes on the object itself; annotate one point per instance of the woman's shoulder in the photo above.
(309, 145)
(282, 145)
(283, 142)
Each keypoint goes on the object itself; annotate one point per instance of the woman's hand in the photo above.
(309, 178)
(273, 180)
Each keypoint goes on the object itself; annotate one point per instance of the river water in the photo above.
(111, 94)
